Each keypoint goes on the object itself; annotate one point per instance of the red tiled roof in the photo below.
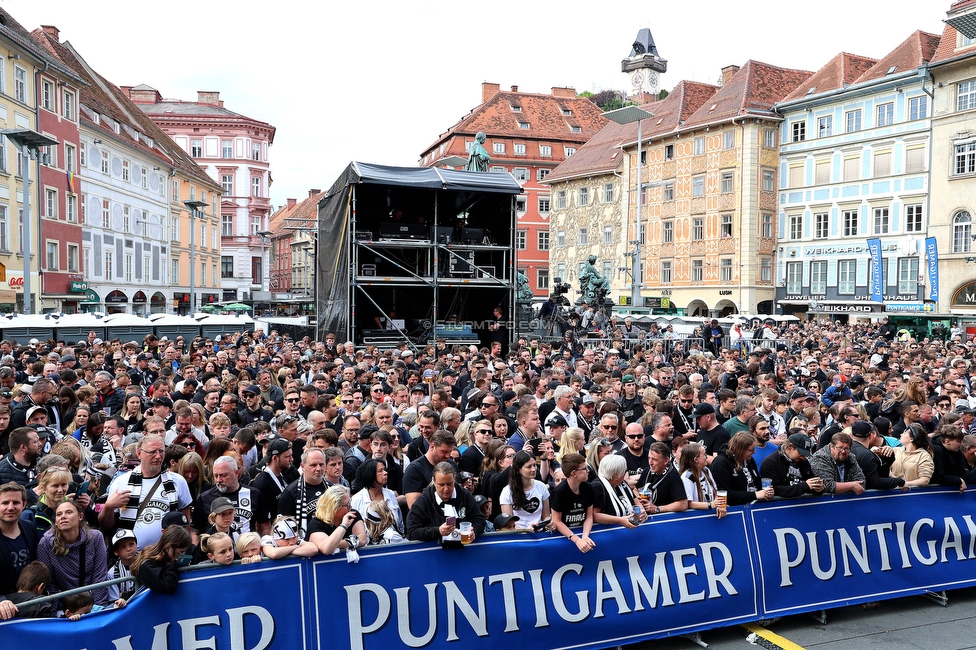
(543, 114)
(947, 46)
(104, 98)
(916, 50)
(753, 90)
(962, 4)
(601, 153)
(840, 71)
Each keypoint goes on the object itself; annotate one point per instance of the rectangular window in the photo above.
(796, 176)
(765, 225)
(642, 234)
(109, 265)
(86, 262)
(726, 182)
(886, 114)
(846, 277)
(918, 108)
(256, 186)
(726, 225)
(105, 218)
(227, 184)
(882, 164)
(126, 219)
(4, 229)
(965, 158)
(569, 151)
(915, 160)
(542, 279)
(226, 266)
(766, 270)
(47, 95)
(524, 125)
(698, 229)
(881, 221)
(698, 186)
(125, 170)
(798, 131)
(104, 162)
(583, 236)
(128, 267)
(584, 196)
(227, 225)
(520, 236)
(725, 269)
(697, 271)
(68, 110)
(823, 172)
(852, 169)
(966, 95)
(498, 147)
(543, 240)
(821, 223)
(796, 226)
(203, 273)
(256, 223)
(175, 270)
(913, 218)
(908, 275)
(72, 208)
(560, 238)
(853, 120)
(669, 191)
(20, 84)
(545, 151)
(699, 145)
(226, 148)
(519, 149)
(196, 148)
(256, 151)
(521, 174)
(850, 223)
(667, 232)
(521, 204)
(825, 126)
(608, 234)
(608, 192)
(769, 138)
(542, 174)
(176, 191)
(51, 204)
(768, 180)
(667, 271)
(669, 152)
(818, 277)
(543, 205)
(176, 229)
(728, 140)
(52, 256)
(794, 277)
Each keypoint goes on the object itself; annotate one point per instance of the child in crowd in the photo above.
(219, 548)
(124, 549)
(249, 548)
(32, 583)
(381, 525)
(156, 566)
(284, 540)
(77, 605)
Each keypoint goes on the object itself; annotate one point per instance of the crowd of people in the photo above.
(127, 460)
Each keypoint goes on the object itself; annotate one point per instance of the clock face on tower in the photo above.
(637, 79)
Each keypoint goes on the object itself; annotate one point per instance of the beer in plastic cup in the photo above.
(721, 499)
(767, 483)
(467, 532)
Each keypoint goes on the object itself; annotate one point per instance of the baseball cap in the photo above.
(145, 356)
(221, 504)
(861, 429)
(628, 379)
(418, 388)
(68, 357)
(798, 393)
(176, 518)
(278, 446)
(34, 409)
(503, 520)
(480, 500)
(557, 421)
(367, 431)
(163, 401)
(508, 394)
(811, 395)
(803, 444)
(121, 535)
(704, 408)
(588, 399)
(252, 390)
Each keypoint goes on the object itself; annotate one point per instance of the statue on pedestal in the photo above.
(594, 287)
(522, 291)
(478, 157)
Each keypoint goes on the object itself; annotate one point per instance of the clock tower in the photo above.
(644, 66)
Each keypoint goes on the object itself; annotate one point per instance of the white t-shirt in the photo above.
(537, 495)
(149, 526)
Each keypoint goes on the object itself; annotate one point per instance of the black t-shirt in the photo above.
(714, 440)
(316, 525)
(288, 502)
(665, 489)
(602, 502)
(570, 505)
(16, 554)
(418, 475)
(266, 495)
(636, 465)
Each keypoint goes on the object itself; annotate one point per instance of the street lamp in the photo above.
(194, 207)
(30, 143)
(629, 115)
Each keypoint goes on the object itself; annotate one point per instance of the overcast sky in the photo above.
(379, 81)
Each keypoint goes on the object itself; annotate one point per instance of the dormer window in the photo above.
(566, 111)
(523, 125)
(516, 108)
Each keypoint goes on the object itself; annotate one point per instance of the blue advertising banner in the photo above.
(932, 260)
(877, 285)
(673, 575)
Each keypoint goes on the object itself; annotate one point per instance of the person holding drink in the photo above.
(735, 472)
(439, 509)
(698, 481)
(788, 470)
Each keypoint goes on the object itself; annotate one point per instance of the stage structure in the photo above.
(415, 253)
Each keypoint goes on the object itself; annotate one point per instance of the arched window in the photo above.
(962, 230)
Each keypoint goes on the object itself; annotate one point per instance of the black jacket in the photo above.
(789, 478)
(425, 517)
(875, 473)
(159, 576)
(950, 466)
(728, 477)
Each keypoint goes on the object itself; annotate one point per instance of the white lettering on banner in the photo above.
(712, 560)
(796, 548)
(189, 626)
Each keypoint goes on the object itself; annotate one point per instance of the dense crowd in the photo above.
(126, 460)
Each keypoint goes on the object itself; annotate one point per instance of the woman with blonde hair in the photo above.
(53, 485)
(462, 436)
(572, 442)
(915, 390)
(335, 526)
(191, 468)
(381, 525)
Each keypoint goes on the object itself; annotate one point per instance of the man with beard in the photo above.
(683, 416)
(226, 484)
(299, 499)
(270, 482)
(138, 500)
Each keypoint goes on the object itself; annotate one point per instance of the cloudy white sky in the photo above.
(378, 81)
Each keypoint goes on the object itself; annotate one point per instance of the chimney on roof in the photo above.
(52, 31)
(514, 89)
(728, 72)
(567, 92)
(208, 97)
(313, 192)
(489, 90)
(291, 203)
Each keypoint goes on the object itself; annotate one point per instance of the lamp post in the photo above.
(628, 115)
(194, 207)
(30, 143)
